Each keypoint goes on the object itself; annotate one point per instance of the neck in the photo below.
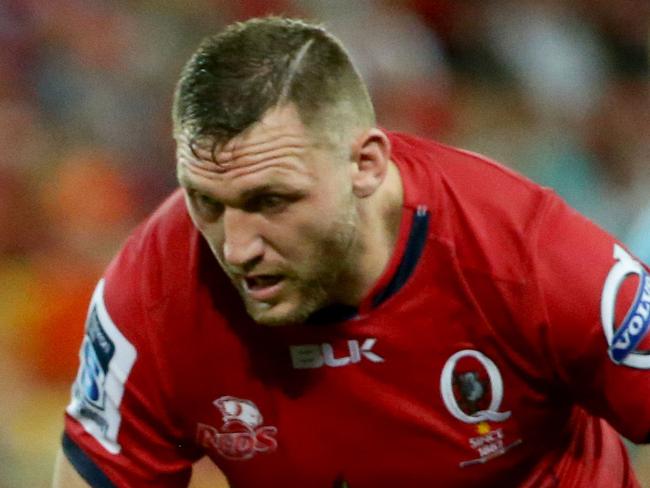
(378, 230)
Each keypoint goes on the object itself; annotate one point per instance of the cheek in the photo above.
(315, 238)
(211, 235)
(197, 223)
(215, 245)
(193, 217)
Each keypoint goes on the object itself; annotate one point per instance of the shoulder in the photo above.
(489, 219)
(160, 317)
(157, 262)
(481, 185)
(163, 245)
(165, 281)
(487, 213)
(494, 213)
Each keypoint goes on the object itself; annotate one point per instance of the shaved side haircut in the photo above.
(235, 77)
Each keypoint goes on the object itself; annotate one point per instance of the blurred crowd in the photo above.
(557, 89)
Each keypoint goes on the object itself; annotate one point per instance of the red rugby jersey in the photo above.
(505, 343)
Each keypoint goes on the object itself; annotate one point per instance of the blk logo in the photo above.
(311, 356)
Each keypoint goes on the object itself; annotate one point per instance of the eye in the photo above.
(270, 203)
(205, 206)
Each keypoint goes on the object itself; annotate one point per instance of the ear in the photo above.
(370, 158)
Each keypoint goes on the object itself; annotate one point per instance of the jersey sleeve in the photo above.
(119, 429)
(596, 297)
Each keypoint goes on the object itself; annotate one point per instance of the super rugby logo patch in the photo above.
(106, 359)
(97, 351)
(625, 341)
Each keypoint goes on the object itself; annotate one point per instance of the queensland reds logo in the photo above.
(472, 388)
(242, 434)
(625, 340)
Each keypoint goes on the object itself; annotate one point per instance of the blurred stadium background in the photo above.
(557, 89)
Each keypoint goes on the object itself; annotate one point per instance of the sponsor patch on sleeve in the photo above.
(628, 340)
(106, 359)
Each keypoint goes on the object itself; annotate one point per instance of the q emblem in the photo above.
(464, 393)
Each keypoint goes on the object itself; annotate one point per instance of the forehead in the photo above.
(277, 145)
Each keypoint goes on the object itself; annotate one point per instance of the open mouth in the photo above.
(262, 287)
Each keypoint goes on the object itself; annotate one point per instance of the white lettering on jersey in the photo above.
(496, 384)
(106, 359)
(623, 341)
(311, 356)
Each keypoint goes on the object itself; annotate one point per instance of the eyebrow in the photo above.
(246, 194)
(266, 188)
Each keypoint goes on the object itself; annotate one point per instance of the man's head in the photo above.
(235, 77)
(279, 158)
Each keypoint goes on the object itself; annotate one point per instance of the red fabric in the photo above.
(508, 272)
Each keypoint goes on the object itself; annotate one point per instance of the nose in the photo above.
(242, 244)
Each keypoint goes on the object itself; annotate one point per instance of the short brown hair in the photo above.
(236, 76)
